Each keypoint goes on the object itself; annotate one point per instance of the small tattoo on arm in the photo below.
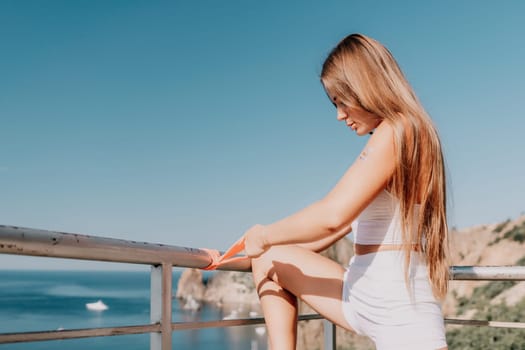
(366, 152)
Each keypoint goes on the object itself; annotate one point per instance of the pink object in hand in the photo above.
(229, 256)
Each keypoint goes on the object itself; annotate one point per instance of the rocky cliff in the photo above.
(486, 245)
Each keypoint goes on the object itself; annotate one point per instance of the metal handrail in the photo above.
(487, 273)
(35, 242)
(162, 258)
(137, 329)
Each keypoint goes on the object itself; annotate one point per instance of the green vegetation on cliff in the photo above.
(486, 338)
(517, 233)
(482, 337)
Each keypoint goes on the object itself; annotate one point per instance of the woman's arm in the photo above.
(323, 243)
(332, 216)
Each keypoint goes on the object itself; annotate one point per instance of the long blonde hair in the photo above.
(361, 70)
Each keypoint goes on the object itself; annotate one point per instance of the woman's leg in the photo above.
(285, 272)
(280, 312)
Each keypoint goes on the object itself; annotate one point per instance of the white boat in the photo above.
(96, 306)
(233, 315)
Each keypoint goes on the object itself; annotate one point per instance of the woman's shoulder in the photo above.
(385, 130)
(382, 141)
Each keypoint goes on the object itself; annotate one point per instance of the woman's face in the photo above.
(355, 117)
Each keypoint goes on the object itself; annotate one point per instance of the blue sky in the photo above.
(184, 122)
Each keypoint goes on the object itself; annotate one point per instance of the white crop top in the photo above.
(380, 222)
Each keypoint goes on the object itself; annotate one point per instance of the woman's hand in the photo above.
(255, 241)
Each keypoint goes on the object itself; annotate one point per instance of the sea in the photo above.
(53, 300)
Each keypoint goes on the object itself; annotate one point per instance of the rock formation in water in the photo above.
(190, 289)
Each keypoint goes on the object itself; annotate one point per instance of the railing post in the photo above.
(155, 308)
(160, 306)
(329, 335)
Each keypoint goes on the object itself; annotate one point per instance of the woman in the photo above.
(392, 198)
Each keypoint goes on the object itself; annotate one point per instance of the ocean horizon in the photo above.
(42, 300)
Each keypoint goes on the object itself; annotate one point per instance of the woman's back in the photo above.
(380, 222)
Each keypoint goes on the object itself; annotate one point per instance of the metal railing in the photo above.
(162, 258)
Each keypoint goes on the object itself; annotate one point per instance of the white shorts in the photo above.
(377, 303)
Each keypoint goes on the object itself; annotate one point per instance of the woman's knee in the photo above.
(263, 266)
